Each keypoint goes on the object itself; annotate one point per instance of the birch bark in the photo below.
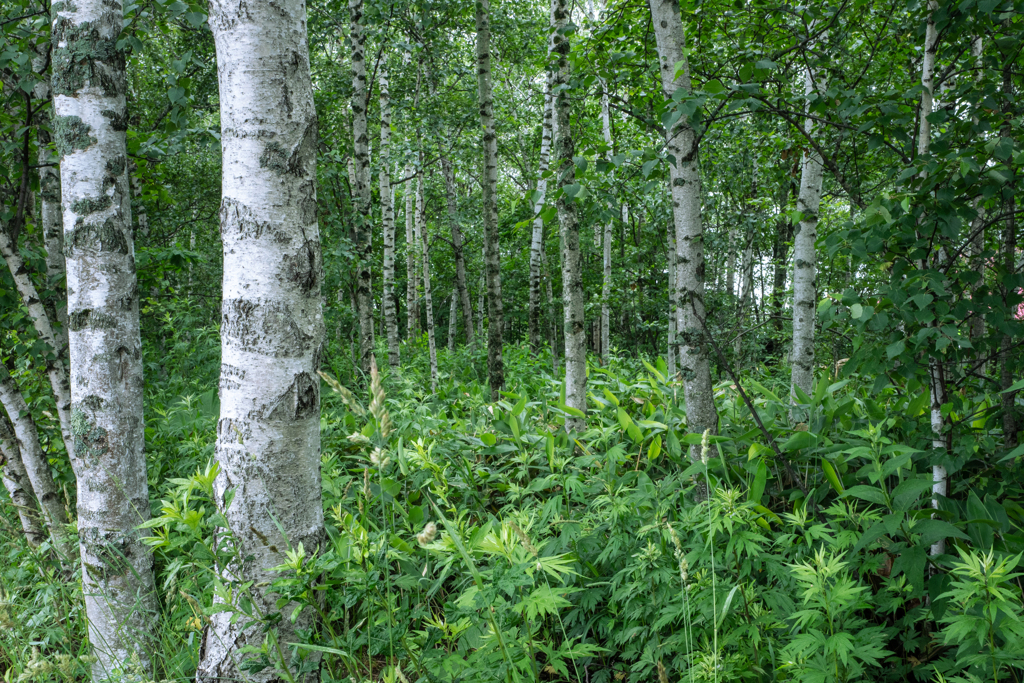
(936, 379)
(537, 238)
(606, 284)
(272, 328)
(672, 315)
(388, 220)
(681, 145)
(453, 313)
(361, 190)
(18, 486)
(33, 463)
(572, 271)
(412, 302)
(489, 181)
(90, 119)
(457, 251)
(804, 258)
(428, 302)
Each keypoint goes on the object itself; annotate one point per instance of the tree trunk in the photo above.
(422, 237)
(361, 190)
(18, 484)
(412, 302)
(551, 306)
(572, 271)
(537, 238)
(746, 288)
(272, 328)
(804, 258)
(105, 347)
(672, 315)
(681, 145)
(453, 322)
(1008, 399)
(606, 284)
(489, 181)
(460, 260)
(388, 220)
(936, 378)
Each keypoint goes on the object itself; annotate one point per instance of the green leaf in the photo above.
(713, 87)
(760, 479)
(868, 493)
(932, 530)
(625, 421)
(654, 450)
(830, 474)
(800, 440)
(489, 439)
(895, 349)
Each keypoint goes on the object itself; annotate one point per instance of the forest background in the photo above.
(659, 342)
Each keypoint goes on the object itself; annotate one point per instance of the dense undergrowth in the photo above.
(477, 541)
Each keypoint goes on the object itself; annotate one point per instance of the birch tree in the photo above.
(361, 190)
(18, 485)
(489, 182)
(670, 258)
(412, 302)
(428, 302)
(606, 280)
(681, 147)
(461, 287)
(804, 257)
(388, 220)
(272, 328)
(572, 271)
(33, 462)
(104, 339)
(537, 237)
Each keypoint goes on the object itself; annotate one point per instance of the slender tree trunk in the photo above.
(36, 466)
(388, 220)
(50, 219)
(460, 260)
(18, 484)
(412, 302)
(272, 327)
(552, 309)
(936, 379)
(681, 145)
(489, 181)
(537, 239)
(481, 310)
(361, 190)
(1008, 399)
(730, 264)
(977, 245)
(572, 271)
(423, 238)
(453, 322)
(104, 340)
(804, 258)
(672, 315)
(746, 299)
(606, 284)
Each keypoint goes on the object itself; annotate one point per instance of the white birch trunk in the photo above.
(672, 315)
(272, 327)
(936, 381)
(388, 219)
(421, 236)
(572, 271)
(18, 486)
(361, 189)
(452, 322)
(412, 303)
(804, 258)
(681, 145)
(537, 238)
(606, 284)
(489, 182)
(105, 351)
(462, 288)
(35, 466)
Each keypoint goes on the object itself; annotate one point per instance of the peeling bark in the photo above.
(681, 146)
(489, 181)
(272, 327)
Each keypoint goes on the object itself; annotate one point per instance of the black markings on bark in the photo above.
(305, 267)
(269, 329)
(107, 237)
(118, 121)
(88, 318)
(84, 207)
(90, 439)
